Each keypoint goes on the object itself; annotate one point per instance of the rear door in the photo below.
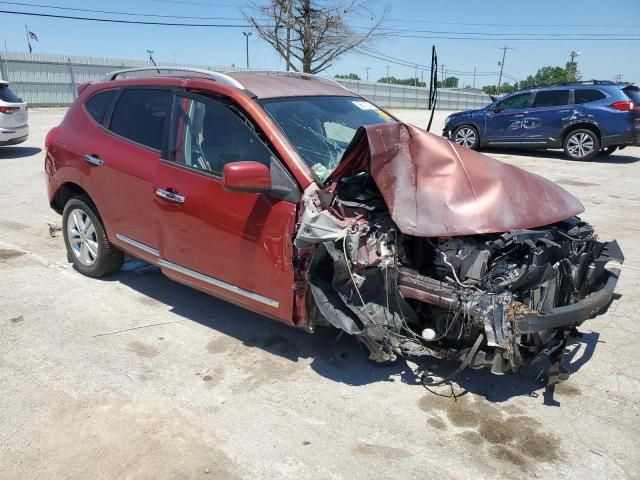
(235, 245)
(503, 125)
(545, 118)
(119, 156)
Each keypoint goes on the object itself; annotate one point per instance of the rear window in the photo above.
(99, 104)
(633, 93)
(551, 98)
(7, 95)
(140, 114)
(586, 96)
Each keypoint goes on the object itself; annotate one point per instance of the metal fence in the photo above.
(44, 79)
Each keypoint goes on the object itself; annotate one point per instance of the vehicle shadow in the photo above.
(7, 153)
(619, 157)
(337, 357)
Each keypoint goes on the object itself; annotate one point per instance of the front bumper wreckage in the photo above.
(403, 286)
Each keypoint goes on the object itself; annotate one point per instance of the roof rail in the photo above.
(217, 76)
(568, 84)
(304, 76)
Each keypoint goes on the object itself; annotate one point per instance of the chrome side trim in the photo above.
(137, 244)
(219, 283)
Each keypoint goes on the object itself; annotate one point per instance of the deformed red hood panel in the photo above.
(436, 188)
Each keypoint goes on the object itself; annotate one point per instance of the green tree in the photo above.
(349, 76)
(550, 75)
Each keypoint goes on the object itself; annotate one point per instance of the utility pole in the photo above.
(415, 76)
(422, 76)
(573, 55)
(443, 77)
(388, 79)
(246, 36)
(367, 74)
(504, 53)
(618, 78)
(474, 78)
(289, 25)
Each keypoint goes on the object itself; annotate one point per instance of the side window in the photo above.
(206, 136)
(514, 102)
(551, 98)
(99, 104)
(140, 114)
(586, 96)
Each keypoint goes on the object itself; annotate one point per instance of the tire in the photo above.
(607, 151)
(87, 244)
(466, 136)
(581, 144)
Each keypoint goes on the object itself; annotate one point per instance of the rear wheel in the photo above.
(86, 240)
(466, 136)
(581, 144)
(607, 151)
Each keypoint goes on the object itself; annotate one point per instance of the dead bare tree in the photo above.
(310, 34)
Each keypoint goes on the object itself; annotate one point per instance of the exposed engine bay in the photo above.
(501, 300)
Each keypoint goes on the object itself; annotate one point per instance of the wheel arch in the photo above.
(581, 124)
(66, 192)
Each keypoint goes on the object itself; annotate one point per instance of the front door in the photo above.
(504, 123)
(235, 245)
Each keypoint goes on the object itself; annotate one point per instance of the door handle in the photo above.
(169, 195)
(93, 160)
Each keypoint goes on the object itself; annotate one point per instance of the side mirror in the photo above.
(496, 109)
(252, 177)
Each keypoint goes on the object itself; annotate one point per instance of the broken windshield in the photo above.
(321, 128)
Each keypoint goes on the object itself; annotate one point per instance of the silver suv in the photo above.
(13, 117)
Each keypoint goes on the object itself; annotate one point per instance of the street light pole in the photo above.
(367, 69)
(246, 36)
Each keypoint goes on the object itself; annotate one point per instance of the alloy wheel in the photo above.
(465, 137)
(580, 145)
(82, 237)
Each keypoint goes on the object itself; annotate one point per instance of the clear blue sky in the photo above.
(555, 19)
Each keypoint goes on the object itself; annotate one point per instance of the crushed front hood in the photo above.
(435, 188)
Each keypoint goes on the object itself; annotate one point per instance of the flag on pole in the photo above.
(30, 36)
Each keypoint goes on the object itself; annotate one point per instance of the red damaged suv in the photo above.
(293, 197)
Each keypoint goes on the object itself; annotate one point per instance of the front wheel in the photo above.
(466, 136)
(581, 144)
(86, 240)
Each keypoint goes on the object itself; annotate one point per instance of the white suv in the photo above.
(13, 117)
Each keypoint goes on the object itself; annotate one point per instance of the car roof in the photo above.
(283, 84)
(259, 83)
(3, 82)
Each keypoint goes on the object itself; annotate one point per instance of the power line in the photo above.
(550, 25)
(494, 34)
(211, 25)
(111, 12)
(115, 20)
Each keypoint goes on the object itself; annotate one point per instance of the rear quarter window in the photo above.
(586, 96)
(7, 95)
(140, 114)
(98, 105)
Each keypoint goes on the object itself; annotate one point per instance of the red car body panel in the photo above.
(243, 239)
(435, 188)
